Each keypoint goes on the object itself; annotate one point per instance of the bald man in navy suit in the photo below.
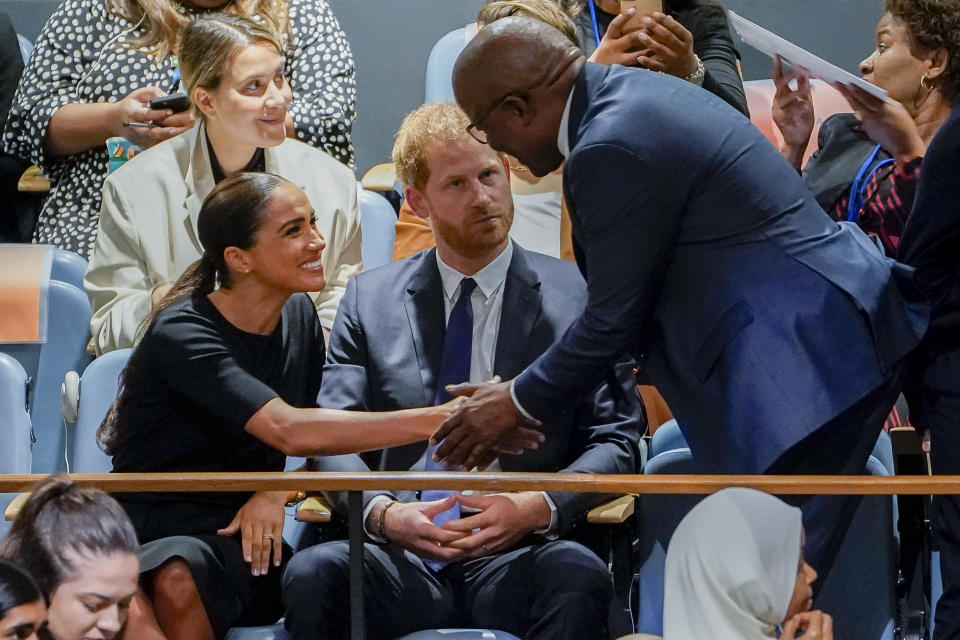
(775, 334)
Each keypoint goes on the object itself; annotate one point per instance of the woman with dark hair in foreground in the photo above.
(226, 379)
(79, 546)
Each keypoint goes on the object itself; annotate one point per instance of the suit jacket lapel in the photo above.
(521, 306)
(423, 302)
(199, 181)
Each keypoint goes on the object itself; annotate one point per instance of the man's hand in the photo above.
(470, 437)
(809, 625)
(504, 520)
(410, 524)
(887, 122)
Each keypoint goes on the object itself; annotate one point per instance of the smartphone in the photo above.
(176, 102)
(643, 8)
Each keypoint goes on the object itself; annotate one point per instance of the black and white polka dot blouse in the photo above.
(80, 57)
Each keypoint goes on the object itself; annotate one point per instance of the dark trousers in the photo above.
(934, 397)
(557, 590)
(840, 447)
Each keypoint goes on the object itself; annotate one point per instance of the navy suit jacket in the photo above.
(385, 351)
(759, 318)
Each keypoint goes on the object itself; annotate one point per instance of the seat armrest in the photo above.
(380, 177)
(33, 181)
(314, 509)
(13, 509)
(615, 511)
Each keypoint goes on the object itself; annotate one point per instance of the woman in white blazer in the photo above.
(233, 71)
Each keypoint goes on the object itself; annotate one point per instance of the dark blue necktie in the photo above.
(454, 368)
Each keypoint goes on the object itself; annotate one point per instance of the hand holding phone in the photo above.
(175, 102)
(642, 9)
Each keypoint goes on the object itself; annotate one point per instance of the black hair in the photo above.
(60, 520)
(231, 216)
(17, 588)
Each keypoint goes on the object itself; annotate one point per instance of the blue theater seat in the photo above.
(868, 556)
(14, 426)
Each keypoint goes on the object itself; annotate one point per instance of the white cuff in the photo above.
(366, 514)
(516, 403)
(550, 533)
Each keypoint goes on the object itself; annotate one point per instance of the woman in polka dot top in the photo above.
(98, 62)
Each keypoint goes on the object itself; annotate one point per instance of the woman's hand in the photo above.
(887, 122)
(809, 625)
(260, 523)
(135, 108)
(792, 111)
(617, 47)
(667, 46)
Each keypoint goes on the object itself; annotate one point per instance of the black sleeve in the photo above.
(931, 239)
(11, 65)
(194, 359)
(714, 46)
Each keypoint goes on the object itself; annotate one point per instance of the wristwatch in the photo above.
(697, 76)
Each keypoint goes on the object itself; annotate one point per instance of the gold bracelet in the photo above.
(381, 529)
(300, 497)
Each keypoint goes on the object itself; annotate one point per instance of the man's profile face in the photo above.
(467, 196)
(511, 127)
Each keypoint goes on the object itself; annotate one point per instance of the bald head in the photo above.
(517, 53)
(512, 80)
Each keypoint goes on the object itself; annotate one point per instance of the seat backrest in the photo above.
(377, 219)
(26, 48)
(439, 83)
(868, 556)
(68, 267)
(46, 364)
(14, 426)
(98, 389)
(827, 101)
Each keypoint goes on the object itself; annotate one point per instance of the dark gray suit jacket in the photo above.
(761, 319)
(385, 351)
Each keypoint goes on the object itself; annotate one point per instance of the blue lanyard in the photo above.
(859, 186)
(593, 19)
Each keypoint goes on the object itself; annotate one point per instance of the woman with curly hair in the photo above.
(865, 169)
(97, 64)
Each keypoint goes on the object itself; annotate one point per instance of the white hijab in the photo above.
(731, 568)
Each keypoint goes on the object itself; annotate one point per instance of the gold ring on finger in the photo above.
(268, 536)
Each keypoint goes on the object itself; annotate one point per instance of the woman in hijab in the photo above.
(735, 571)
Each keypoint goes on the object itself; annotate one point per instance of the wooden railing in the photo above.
(355, 483)
(501, 481)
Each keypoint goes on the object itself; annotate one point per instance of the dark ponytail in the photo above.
(60, 521)
(231, 216)
(17, 588)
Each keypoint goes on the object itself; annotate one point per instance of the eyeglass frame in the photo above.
(474, 130)
(475, 124)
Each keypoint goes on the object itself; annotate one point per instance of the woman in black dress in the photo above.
(226, 379)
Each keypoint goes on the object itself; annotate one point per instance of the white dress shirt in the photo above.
(487, 303)
(563, 144)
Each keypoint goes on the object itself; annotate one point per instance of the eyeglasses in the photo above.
(474, 127)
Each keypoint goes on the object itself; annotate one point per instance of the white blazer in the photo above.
(147, 232)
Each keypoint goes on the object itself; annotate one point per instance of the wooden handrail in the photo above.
(568, 482)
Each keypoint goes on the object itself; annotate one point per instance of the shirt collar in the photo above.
(563, 136)
(488, 279)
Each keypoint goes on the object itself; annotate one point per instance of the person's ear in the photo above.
(505, 159)
(520, 108)
(417, 201)
(238, 260)
(203, 101)
(937, 61)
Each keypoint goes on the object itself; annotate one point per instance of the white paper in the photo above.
(773, 45)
